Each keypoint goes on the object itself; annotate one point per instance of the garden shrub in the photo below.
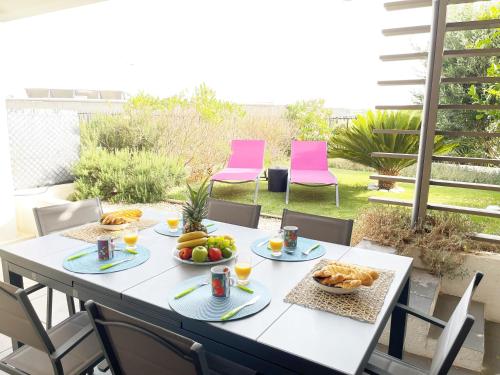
(312, 119)
(441, 242)
(126, 176)
(201, 146)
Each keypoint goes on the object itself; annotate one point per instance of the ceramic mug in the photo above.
(221, 281)
(105, 248)
(290, 236)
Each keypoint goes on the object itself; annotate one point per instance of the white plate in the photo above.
(333, 289)
(175, 254)
(114, 227)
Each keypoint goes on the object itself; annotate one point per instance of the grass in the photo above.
(353, 197)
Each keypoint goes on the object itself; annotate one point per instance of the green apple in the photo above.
(200, 254)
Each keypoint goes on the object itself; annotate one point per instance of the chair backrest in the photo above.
(319, 228)
(455, 332)
(19, 320)
(133, 346)
(63, 216)
(309, 155)
(247, 154)
(246, 215)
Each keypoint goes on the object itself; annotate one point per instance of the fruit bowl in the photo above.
(114, 227)
(333, 289)
(175, 254)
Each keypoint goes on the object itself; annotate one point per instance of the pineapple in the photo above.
(195, 208)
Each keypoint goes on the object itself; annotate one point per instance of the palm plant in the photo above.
(357, 142)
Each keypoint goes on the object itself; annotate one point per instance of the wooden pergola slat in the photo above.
(446, 133)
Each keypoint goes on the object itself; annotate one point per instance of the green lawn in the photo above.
(353, 197)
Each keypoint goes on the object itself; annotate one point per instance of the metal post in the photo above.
(429, 114)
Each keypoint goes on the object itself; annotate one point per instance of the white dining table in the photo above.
(283, 338)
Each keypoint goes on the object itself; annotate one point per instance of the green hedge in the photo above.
(126, 176)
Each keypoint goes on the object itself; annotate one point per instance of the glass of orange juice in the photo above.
(173, 220)
(276, 244)
(130, 236)
(242, 269)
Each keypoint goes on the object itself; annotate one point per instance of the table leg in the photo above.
(398, 324)
(16, 280)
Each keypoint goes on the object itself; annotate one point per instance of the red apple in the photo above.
(185, 253)
(214, 254)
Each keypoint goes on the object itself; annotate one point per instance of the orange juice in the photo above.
(276, 244)
(173, 223)
(243, 270)
(130, 239)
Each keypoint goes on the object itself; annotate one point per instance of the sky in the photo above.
(250, 52)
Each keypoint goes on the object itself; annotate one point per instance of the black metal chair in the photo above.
(133, 346)
(245, 215)
(321, 228)
(454, 333)
(70, 347)
(59, 217)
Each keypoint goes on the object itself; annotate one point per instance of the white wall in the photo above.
(7, 205)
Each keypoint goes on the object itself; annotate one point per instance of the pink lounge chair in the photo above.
(245, 164)
(309, 167)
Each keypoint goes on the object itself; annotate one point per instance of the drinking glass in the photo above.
(243, 268)
(130, 236)
(276, 244)
(173, 220)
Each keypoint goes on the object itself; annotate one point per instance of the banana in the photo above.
(192, 243)
(191, 236)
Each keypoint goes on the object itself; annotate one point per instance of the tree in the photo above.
(357, 142)
(203, 100)
(468, 67)
(312, 118)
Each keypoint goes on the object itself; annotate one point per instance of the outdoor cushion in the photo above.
(237, 174)
(34, 361)
(304, 176)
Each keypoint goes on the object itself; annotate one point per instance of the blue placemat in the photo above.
(201, 305)
(90, 264)
(297, 256)
(162, 228)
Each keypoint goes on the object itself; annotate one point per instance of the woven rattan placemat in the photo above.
(91, 232)
(364, 304)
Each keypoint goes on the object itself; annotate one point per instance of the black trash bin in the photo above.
(277, 179)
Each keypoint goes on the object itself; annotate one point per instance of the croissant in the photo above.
(373, 274)
(345, 276)
(121, 217)
(349, 284)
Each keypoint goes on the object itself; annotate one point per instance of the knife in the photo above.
(79, 255)
(235, 311)
(313, 247)
(189, 290)
(131, 251)
(262, 243)
(209, 225)
(109, 265)
(245, 288)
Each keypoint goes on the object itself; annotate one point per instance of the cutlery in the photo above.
(313, 247)
(209, 225)
(82, 254)
(189, 290)
(106, 266)
(131, 251)
(236, 310)
(262, 243)
(245, 288)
